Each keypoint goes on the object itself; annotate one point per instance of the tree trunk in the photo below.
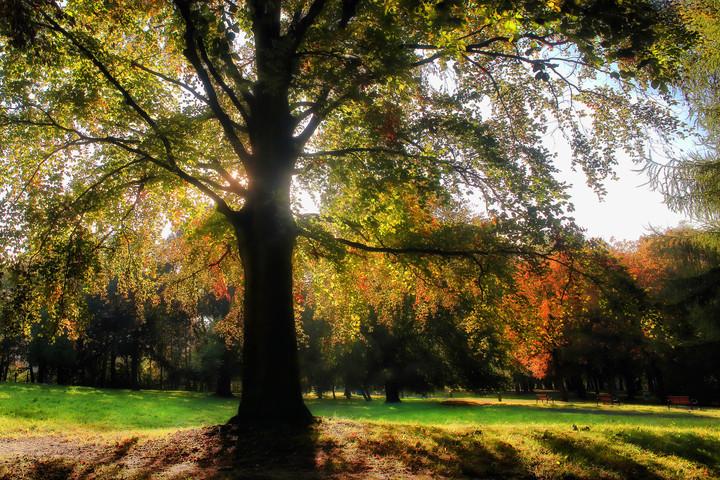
(266, 232)
(579, 386)
(271, 391)
(135, 361)
(42, 372)
(366, 394)
(223, 388)
(392, 391)
(557, 366)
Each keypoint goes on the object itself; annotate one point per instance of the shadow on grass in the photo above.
(687, 445)
(477, 458)
(403, 451)
(598, 459)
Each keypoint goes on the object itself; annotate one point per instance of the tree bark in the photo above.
(266, 232)
(271, 391)
(113, 369)
(42, 372)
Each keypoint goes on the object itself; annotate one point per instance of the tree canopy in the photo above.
(123, 118)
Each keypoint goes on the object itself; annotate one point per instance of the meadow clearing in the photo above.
(54, 432)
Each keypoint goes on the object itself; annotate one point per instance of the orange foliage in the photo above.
(544, 302)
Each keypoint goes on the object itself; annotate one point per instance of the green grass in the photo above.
(425, 437)
(515, 412)
(47, 409)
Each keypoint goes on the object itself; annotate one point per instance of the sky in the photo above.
(629, 209)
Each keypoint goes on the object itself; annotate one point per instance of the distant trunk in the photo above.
(4, 367)
(223, 388)
(557, 366)
(135, 361)
(42, 372)
(61, 378)
(392, 391)
(580, 387)
(366, 394)
(113, 369)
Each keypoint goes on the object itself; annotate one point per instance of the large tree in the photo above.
(129, 115)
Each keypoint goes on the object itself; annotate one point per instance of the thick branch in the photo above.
(299, 28)
(127, 145)
(191, 53)
(178, 83)
(116, 84)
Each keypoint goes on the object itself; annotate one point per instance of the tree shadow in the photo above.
(687, 445)
(51, 469)
(595, 457)
(270, 452)
(475, 457)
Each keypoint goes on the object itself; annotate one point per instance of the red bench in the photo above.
(543, 397)
(682, 400)
(606, 398)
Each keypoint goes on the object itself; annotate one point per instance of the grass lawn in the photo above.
(27, 409)
(419, 438)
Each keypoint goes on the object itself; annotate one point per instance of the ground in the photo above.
(198, 453)
(218, 452)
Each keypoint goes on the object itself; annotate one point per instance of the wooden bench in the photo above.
(543, 397)
(606, 398)
(682, 400)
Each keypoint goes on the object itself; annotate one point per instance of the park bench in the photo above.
(543, 397)
(682, 400)
(606, 398)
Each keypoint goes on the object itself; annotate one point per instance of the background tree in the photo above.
(691, 182)
(413, 326)
(128, 116)
(679, 270)
(577, 317)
